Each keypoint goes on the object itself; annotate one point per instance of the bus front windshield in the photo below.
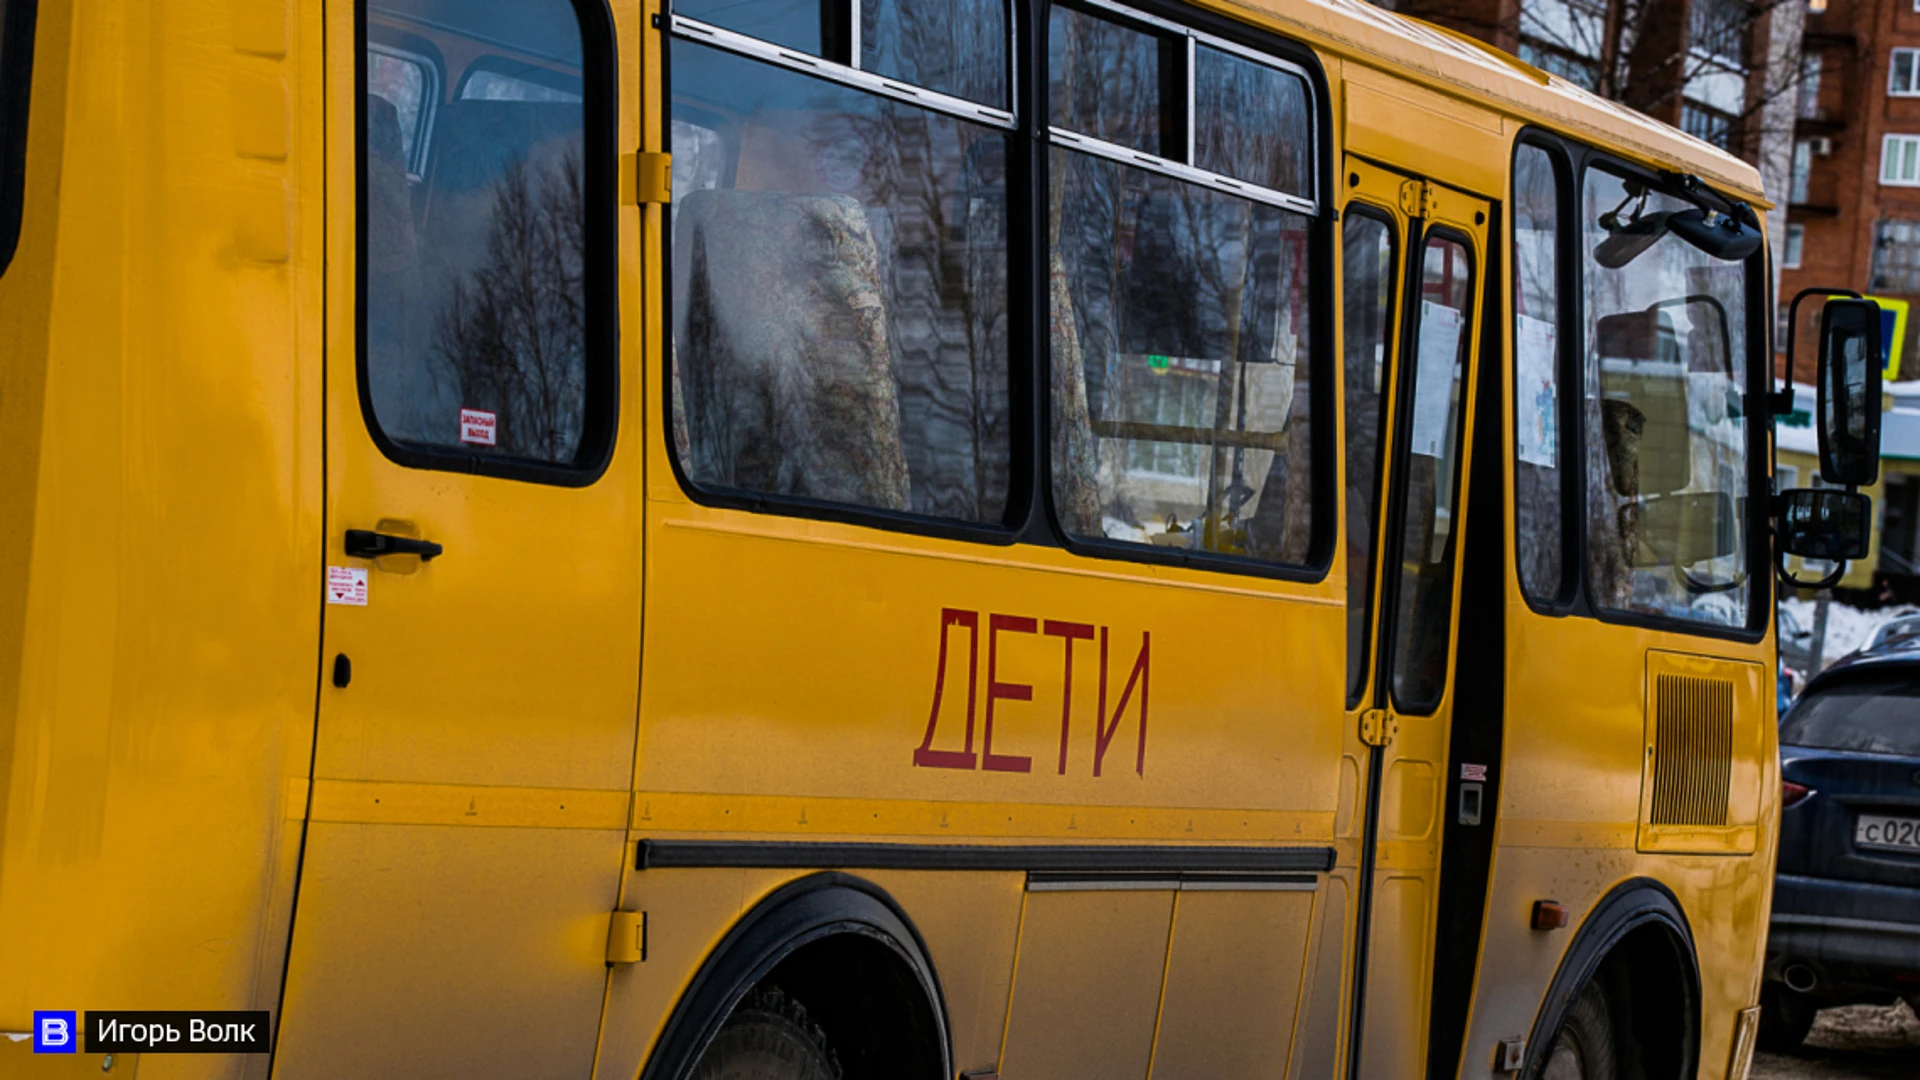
(1666, 433)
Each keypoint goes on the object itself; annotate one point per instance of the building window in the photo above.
(1707, 125)
(1896, 257)
(1720, 29)
(1807, 102)
(1900, 160)
(1564, 37)
(1790, 257)
(1802, 171)
(1903, 78)
(1578, 70)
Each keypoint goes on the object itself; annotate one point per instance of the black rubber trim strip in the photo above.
(661, 854)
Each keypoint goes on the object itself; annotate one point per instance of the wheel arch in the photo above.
(820, 923)
(1637, 936)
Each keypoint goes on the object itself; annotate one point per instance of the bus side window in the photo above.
(16, 76)
(840, 306)
(477, 307)
(1539, 457)
(1181, 340)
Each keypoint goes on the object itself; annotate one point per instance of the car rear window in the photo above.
(1877, 715)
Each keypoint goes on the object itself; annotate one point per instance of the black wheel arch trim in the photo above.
(1629, 906)
(799, 913)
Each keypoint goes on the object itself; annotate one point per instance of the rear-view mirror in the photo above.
(1680, 530)
(1848, 380)
(1824, 523)
(1643, 389)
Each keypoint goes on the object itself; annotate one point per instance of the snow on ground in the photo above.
(1848, 628)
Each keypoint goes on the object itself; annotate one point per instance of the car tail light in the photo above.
(1792, 794)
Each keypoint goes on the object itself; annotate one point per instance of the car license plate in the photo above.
(1887, 833)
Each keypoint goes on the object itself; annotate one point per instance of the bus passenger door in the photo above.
(478, 681)
(1407, 430)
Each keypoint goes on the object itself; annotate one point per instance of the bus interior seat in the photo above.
(790, 382)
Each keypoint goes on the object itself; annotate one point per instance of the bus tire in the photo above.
(1785, 1018)
(1585, 1048)
(768, 1037)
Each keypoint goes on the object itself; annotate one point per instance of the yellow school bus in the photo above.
(922, 538)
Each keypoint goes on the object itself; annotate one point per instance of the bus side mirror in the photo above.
(1848, 381)
(1826, 524)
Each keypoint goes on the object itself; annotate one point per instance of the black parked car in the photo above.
(1846, 902)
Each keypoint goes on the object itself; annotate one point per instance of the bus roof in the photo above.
(1455, 64)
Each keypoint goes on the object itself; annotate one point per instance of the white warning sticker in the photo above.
(347, 585)
(1473, 772)
(479, 427)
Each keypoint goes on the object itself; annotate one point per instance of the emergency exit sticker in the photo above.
(347, 585)
(479, 427)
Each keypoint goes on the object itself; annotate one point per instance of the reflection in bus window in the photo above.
(956, 47)
(1180, 328)
(1368, 274)
(1180, 345)
(1248, 121)
(475, 302)
(1105, 81)
(1430, 534)
(408, 83)
(1666, 454)
(839, 293)
(1537, 475)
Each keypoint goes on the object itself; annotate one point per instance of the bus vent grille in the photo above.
(1693, 750)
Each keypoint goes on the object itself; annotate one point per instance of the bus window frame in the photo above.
(16, 92)
(1386, 646)
(1384, 423)
(599, 79)
(1030, 517)
(1572, 281)
(1567, 368)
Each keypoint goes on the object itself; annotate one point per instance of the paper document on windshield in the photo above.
(1536, 403)
(1439, 358)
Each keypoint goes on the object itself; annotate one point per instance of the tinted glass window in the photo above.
(1181, 375)
(1538, 458)
(1666, 380)
(956, 47)
(1369, 277)
(476, 304)
(839, 292)
(1105, 80)
(407, 82)
(1872, 715)
(1251, 122)
(16, 63)
(1432, 418)
(796, 24)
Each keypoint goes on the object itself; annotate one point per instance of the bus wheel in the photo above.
(1584, 1049)
(768, 1037)
(1785, 1018)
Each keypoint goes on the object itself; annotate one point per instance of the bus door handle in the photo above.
(367, 544)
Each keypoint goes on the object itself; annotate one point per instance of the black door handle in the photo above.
(367, 544)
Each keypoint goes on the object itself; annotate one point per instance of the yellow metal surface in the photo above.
(185, 447)
(1086, 987)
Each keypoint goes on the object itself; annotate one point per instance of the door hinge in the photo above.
(627, 938)
(1378, 727)
(646, 177)
(1418, 199)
